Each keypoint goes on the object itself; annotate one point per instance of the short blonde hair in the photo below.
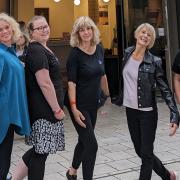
(84, 21)
(14, 25)
(149, 28)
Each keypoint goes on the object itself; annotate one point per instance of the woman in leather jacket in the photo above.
(142, 72)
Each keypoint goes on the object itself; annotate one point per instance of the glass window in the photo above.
(137, 12)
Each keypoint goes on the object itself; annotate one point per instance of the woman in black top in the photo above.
(85, 69)
(44, 90)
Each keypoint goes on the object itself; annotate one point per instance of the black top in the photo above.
(23, 56)
(86, 71)
(176, 64)
(37, 58)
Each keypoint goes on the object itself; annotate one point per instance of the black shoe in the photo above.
(70, 177)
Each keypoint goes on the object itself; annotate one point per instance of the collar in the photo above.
(147, 56)
(6, 48)
(3, 46)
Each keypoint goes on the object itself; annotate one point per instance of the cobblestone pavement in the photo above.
(116, 158)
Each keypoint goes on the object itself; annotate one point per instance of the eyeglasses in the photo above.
(41, 28)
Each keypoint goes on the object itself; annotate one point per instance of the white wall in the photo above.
(24, 10)
(63, 14)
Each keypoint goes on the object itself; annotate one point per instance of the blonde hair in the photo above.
(14, 25)
(30, 24)
(149, 28)
(84, 21)
(26, 38)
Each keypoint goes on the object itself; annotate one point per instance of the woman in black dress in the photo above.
(86, 78)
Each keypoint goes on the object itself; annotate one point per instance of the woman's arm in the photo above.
(47, 88)
(104, 85)
(1, 65)
(168, 97)
(72, 99)
(176, 80)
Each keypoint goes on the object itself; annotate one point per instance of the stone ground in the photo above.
(116, 158)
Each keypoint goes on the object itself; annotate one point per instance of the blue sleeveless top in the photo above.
(13, 99)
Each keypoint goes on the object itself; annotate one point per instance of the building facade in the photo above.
(163, 15)
(116, 19)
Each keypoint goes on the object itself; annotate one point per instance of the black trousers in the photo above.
(5, 153)
(86, 148)
(142, 127)
(35, 163)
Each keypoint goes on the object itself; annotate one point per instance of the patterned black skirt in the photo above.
(47, 137)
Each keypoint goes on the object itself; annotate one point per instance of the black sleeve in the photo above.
(163, 85)
(72, 66)
(176, 64)
(101, 50)
(36, 58)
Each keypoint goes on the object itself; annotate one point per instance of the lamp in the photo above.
(77, 2)
(106, 1)
(57, 0)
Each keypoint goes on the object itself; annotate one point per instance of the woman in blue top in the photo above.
(13, 106)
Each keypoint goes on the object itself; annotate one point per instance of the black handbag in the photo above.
(117, 100)
(102, 99)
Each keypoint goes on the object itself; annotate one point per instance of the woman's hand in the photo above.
(59, 114)
(173, 128)
(78, 116)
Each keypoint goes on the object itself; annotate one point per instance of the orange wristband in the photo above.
(58, 111)
(72, 103)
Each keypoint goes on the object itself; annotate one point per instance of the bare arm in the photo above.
(104, 85)
(72, 98)
(72, 94)
(47, 88)
(176, 80)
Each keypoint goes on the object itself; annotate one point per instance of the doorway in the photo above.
(137, 12)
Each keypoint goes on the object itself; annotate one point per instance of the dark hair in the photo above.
(22, 25)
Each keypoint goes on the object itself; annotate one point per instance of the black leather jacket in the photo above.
(151, 75)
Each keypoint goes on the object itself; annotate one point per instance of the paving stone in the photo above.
(133, 175)
(116, 158)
